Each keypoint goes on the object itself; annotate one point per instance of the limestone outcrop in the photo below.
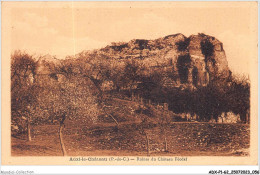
(195, 60)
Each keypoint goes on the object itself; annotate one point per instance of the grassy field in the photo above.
(184, 139)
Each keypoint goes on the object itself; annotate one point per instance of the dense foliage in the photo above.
(78, 87)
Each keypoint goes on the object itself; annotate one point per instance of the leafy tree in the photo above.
(132, 74)
(238, 97)
(94, 71)
(23, 91)
(70, 99)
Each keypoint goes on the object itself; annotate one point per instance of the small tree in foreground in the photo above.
(68, 100)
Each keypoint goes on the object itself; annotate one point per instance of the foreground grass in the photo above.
(184, 139)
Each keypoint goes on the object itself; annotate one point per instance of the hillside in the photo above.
(193, 60)
(159, 70)
(174, 95)
(196, 59)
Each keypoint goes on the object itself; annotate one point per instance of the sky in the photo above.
(68, 28)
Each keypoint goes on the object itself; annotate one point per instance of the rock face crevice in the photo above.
(207, 60)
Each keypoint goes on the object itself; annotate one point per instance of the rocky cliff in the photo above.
(195, 60)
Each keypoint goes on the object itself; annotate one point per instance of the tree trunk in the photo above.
(117, 88)
(132, 96)
(247, 118)
(114, 119)
(29, 129)
(211, 117)
(165, 140)
(147, 143)
(111, 117)
(61, 140)
(166, 144)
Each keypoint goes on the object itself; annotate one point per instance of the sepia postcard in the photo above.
(129, 83)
